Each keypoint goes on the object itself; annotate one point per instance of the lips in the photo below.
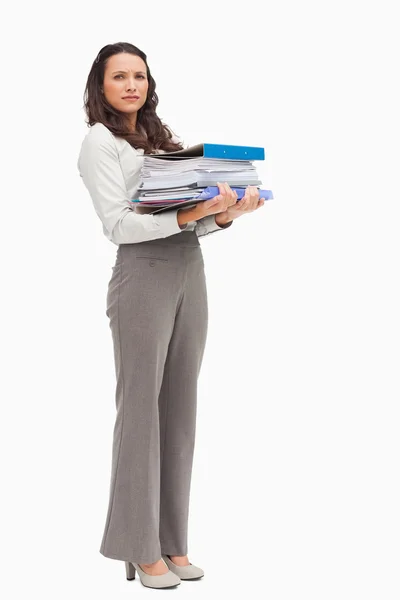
(131, 98)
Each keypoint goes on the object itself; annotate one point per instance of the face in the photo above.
(125, 75)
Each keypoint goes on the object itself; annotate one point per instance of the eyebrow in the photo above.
(120, 71)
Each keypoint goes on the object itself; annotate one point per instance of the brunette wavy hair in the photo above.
(151, 134)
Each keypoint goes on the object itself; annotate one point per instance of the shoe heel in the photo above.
(130, 571)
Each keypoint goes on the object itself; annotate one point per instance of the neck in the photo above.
(133, 125)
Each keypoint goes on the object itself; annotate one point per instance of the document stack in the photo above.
(186, 177)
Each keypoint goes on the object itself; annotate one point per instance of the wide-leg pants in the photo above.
(158, 315)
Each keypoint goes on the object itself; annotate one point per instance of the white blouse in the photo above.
(110, 168)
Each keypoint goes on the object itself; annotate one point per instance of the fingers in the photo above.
(245, 201)
(217, 198)
(250, 201)
(231, 195)
(228, 194)
(254, 196)
(217, 203)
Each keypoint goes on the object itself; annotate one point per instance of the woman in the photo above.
(158, 315)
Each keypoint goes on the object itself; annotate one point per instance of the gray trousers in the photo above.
(158, 315)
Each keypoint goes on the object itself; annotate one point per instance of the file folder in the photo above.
(209, 192)
(206, 150)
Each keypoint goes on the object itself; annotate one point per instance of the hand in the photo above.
(218, 204)
(249, 203)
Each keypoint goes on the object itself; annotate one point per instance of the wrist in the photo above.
(222, 220)
(185, 215)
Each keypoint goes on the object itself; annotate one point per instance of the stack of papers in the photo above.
(185, 177)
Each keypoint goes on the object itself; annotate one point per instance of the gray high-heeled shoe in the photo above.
(165, 580)
(187, 572)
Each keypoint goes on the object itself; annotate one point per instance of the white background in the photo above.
(295, 487)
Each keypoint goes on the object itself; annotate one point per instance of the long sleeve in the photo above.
(207, 226)
(100, 169)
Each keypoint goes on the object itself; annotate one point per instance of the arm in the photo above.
(205, 225)
(101, 172)
(209, 224)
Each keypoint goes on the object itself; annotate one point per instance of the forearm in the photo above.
(185, 215)
(194, 213)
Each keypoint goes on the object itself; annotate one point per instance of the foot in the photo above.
(157, 568)
(181, 561)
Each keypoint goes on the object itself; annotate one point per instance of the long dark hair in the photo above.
(151, 133)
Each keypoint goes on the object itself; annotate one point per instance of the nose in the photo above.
(131, 85)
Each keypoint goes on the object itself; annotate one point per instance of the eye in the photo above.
(142, 76)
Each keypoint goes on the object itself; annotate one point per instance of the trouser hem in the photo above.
(137, 560)
(170, 551)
